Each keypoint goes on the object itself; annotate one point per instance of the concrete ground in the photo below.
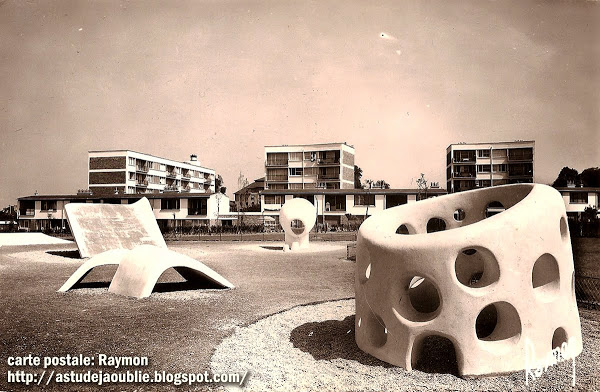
(180, 329)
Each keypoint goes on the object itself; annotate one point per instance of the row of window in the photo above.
(339, 201)
(146, 165)
(282, 158)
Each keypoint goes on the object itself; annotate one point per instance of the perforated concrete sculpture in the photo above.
(117, 235)
(297, 218)
(140, 268)
(500, 289)
(101, 227)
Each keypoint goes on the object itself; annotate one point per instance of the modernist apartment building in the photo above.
(578, 199)
(43, 212)
(479, 165)
(309, 166)
(130, 172)
(337, 207)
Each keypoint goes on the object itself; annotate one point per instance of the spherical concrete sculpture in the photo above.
(491, 270)
(297, 217)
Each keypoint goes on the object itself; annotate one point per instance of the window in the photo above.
(278, 186)
(295, 171)
(274, 199)
(576, 197)
(169, 204)
(132, 176)
(162, 167)
(295, 156)
(501, 153)
(48, 205)
(310, 156)
(310, 198)
(500, 168)
(131, 161)
(197, 206)
(364, 200)
(483, 153)
(295, 186)
(335, 202)
(483, 168)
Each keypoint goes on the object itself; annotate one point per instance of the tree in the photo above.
(242, 181)
(590, 177)
(220, 184)
(422, 184)
(566, 176)
(357, 177)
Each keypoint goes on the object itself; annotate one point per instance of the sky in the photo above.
(398, 80)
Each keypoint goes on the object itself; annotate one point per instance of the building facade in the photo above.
(47, 212)
(248, 198)
(578, 199)
(340, 207)
(130, 172)
(309, 166)
(480, 165)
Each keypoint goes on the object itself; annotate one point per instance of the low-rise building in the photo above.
(341, 207)
(248, 198)
(578, 199)
(47, 212)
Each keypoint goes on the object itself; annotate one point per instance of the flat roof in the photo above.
(166, 195)
(480, 143)
(578, 189)
(405, 191)
(312, 144)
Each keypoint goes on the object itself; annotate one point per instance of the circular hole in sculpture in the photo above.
(545, 277)
(476, 267)
(423, 295)
(459, 215)
(559, 337)
(498, 321)
(297, 226)
(375, 330)
(402, 229)
(564, 229)
(436, 224)
(493, 208)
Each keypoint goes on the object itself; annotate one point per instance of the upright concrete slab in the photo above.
(98, 228)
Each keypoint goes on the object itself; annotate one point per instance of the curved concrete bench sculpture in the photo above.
(110, 257)
(140, 268)
(295, 211)
(500, 289)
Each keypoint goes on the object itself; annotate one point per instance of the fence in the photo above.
(587, 290)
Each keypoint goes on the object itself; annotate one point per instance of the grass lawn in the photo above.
(586, 255)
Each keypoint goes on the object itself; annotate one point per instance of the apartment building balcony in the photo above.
(328, 161)
(520, 156)
(463, 175)
(141, 184)
(464, 159)
(275, 178)
(27, 212)
(186, 174)
(275, 163)
(186, 188)
(171, 188)
(335, 177)
(171, 174)
(142, 169)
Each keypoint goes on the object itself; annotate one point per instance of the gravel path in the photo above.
(312, 348)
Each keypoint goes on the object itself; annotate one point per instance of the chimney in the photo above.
(193, 158)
